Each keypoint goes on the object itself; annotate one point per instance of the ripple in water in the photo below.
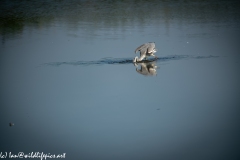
(110, 60)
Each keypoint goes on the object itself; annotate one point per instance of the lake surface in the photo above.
(69, 85)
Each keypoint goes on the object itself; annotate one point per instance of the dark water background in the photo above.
(68, 84)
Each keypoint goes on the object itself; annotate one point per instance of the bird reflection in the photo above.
(147, 68)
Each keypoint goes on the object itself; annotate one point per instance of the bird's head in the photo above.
(135, 59)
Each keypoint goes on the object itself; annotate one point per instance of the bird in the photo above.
(146, 49)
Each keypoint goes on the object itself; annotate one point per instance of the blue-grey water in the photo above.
(68, 83)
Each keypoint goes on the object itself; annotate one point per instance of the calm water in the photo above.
(69, 86)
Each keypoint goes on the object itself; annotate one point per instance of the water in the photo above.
(69, 85)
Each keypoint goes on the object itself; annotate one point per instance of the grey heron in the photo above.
(147, 49)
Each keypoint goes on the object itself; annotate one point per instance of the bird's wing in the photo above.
(141, 47)
(151, 46)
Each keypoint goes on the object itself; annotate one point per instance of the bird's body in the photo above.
(147, 49)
